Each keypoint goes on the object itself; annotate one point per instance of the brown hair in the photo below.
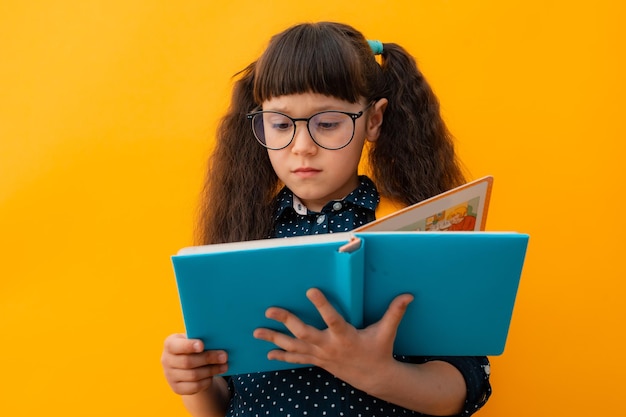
(413, 158)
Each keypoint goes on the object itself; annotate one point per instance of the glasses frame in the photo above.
(353, 116)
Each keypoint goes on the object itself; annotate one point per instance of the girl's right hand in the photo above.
(188, 369)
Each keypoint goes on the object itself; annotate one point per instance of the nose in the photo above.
(302, 141)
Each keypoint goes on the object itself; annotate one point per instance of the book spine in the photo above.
(350, 282)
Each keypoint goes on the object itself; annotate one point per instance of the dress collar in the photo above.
(365, 195)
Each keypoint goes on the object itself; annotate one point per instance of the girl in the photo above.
(286, 164)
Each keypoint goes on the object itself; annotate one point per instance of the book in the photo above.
(464, 283)
(463, 208)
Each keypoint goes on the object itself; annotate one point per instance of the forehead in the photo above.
(307, 103)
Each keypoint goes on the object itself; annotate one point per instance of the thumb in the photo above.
(179, 344)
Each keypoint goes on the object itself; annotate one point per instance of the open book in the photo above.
(464, 284)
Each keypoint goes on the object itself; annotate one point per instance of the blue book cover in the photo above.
(464, 286)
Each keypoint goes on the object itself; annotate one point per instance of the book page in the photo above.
(266, 243)
(461, 209)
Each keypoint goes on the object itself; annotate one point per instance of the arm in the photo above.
(192, 373)
(435, 388)
(210, 402)
(364, 358)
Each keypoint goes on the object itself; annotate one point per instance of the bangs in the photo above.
(313, 58)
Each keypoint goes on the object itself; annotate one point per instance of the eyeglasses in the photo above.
(329, 129)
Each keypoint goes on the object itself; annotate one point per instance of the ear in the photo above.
(375, 119)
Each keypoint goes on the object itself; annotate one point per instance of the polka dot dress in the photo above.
(311, 391)
(294, 219)
(304, 392)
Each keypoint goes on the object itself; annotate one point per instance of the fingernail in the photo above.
(197, 347)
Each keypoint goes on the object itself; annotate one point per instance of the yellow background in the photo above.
(107, 109)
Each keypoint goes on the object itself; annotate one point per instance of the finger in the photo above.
(395, 312)
(291, 357)
(265, 334)
(331, 317)
(292, 349)
(196, 374)
(301, 331)
(190, 388)
(296, 326)
(179, 344)
(281, 340)
(196, 360)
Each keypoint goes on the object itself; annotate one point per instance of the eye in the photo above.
(328, 120)
(278, 122)
(280, 126)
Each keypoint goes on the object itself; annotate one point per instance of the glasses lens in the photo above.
(273, 130)
(331, 129)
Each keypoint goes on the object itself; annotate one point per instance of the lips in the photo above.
(306, 171)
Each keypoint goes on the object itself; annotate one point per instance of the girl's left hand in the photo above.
(352, 355)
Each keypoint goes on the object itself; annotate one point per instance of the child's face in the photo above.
(317, 175)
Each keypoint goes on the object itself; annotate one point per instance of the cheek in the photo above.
(361, 134)
(345, 162)
(353, 151)
(277, 160)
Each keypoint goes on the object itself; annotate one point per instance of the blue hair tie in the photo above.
(376, 46)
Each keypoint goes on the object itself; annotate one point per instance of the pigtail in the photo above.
(240, 185)
(413, 158)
